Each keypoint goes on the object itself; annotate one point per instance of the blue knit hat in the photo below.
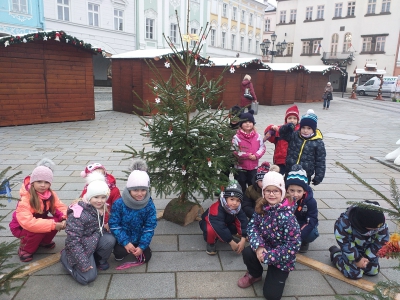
(309, 119)
(297, 176)
(244, 117)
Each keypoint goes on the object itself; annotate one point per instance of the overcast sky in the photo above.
(273, 2)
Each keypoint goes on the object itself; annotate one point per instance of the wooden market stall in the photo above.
(45, 77)
(369, 70)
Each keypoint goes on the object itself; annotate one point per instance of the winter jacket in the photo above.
(353, 244)
(114, 194)
(243, 100)
(278, 232)
(32, 221)
(281, 146)
(246, 144)
(83, 234)
(134, 226)
(219, 220)
(306, 212)
(253, 192)
(308, 152)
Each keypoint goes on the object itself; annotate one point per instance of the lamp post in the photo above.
(280, 47)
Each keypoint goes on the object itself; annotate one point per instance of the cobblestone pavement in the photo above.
(354, 130)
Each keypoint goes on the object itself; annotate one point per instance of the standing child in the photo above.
(274, 237)
(249, 148)
(133, 216)
(110, 180)
(31, 221)
(306, 147)
(306, 210)
(224, 219)
(360, 232)
(271, 133)
(88, 245)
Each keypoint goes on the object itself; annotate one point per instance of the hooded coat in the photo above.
(307, 213)
(243, 100)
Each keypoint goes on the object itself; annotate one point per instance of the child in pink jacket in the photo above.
(248, 148)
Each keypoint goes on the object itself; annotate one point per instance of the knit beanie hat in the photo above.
(292, 111)
(92, 167)
(138, 179)
(297, 176)
(233, 190)
(362, 218)
(309, 119)
(244, 117)
(97, 186)
(275, 179)
(235, 111)
(43, 171)
(262, 170)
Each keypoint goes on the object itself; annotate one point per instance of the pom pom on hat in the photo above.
(275, 179)
(292, 111)
(309, 119)
(262, 170)
(138, 179)
(297, 176)
(97, 186)
(92, 167)
(233, 190)
(244, 117)
(43, 171)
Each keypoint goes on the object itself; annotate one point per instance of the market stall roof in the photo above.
(287, 67)
(148, 53)
(236, 61)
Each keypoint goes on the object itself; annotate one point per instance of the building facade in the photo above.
(354, 32)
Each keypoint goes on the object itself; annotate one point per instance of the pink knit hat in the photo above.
(90, 168)
(43, 171)
(275, 179)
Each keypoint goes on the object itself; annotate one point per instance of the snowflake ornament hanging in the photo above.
(232, 70)
(170, 131)
(183, 172)
(167, 64)
(157, 100)
(188, 87)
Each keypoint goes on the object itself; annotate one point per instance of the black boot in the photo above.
(304, 247)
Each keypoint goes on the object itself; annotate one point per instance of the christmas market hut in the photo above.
(232, 78)
(45, 77)
(132, 76)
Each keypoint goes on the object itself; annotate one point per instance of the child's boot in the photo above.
(24, 256)
(304, 247)
(211, 249)
(247, 280)
(333, 250)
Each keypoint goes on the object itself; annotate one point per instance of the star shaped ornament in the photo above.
(183, 172)
(170, 132)
(232, 70)
(167, 64)
(188, 87)
(157, 100)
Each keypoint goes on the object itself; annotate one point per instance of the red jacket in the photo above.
(244, 101)
(281, 145)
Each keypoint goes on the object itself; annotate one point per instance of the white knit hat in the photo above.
(96, 186)
(138, 179)
(275, 179)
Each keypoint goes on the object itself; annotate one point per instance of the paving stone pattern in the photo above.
(354, 131)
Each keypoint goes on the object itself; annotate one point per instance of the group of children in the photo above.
(270, 206)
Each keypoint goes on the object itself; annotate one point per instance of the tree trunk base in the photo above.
(182, 213)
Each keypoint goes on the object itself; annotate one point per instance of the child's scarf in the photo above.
(227, 209)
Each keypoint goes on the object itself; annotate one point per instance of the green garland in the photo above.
(341, 63)
(298, 68)
(334, 68)
(255, 61)
(59, 36)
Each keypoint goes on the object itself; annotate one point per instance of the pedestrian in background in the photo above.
(248, 89)
(327, 96)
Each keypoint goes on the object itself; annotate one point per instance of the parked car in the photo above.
(372, 85)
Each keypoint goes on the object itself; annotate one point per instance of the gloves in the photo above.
(315, 182)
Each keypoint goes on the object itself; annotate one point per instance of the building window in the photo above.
(366, 46)
(93, 14)
(334, 44)
(338, 10)
(233, 39)
(316, 46)
(385, 6)
(212, 37)
(223, 44)
(173, 31)
(20, 6)
(242, 16)
(282, 17)
(293, 14)
(63, 10)
(320, 11)
(306, 47)
(224, 8)
(267, 25)
(309, 13)
(380, 44)
(289, 49)
(249, 46)
(351, 7)
(193, 31)
(241, 44)
(371, 6)
(149, 28)
(347, 42)
(234, 13)
(251, 19)
(118, 19)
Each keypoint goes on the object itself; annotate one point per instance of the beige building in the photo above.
(352, 33)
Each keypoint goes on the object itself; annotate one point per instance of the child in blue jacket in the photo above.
(133, 217)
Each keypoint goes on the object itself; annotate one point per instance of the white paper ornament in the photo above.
(157, 100)
(170, 132)
(232, 70)
(188, 87)
(183, 172)
(6, 43)
(167, 64)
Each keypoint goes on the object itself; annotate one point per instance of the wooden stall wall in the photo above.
(44, 82)
(313, 87)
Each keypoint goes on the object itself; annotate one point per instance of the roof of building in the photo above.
(270, 8)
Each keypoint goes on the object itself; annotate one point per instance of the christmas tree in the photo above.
(7, 250)
(190, 142)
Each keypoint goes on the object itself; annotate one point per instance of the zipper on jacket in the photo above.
(301, 152)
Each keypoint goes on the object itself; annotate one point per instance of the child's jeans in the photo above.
(312, 236)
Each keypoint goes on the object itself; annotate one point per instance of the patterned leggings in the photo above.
(349, 270)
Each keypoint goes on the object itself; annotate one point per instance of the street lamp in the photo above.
(280, 47)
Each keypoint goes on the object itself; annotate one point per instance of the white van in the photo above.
(372, 85)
